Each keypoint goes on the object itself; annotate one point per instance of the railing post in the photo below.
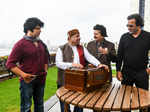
(141, 8)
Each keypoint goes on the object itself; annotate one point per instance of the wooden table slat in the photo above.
(127, 97)
(105, 98)
(79, 98)
(64, 97)
(144, 98)
(102, 100)
(118, 99)
(61, 91)
(109, 103)
(135, 100)
(86, 99)
(71, 98)
(92, 102)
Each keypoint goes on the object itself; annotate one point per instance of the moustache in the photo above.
(95, 37)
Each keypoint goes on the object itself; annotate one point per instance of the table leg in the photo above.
(66, 107)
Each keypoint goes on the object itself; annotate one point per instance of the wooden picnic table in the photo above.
(114, 97)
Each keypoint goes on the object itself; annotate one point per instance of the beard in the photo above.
(134, 31)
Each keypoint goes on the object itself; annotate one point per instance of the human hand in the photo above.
(119, 76)
(91, 66)
(77, 65)
(103, 50)
(28, 77)
(148, 71)
(105, 67)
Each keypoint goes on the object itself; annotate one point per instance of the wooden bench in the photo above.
(114, 97)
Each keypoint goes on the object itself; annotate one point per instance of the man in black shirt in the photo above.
(133, 54)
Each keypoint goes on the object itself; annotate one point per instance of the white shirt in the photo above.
(64, 65)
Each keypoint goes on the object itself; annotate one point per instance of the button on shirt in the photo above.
(64, 65)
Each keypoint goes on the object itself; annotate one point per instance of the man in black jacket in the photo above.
(133, 54)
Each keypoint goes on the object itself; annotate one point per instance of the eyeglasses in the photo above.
(128, 25)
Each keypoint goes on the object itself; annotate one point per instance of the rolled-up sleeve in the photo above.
(59, 61)
(15, 56)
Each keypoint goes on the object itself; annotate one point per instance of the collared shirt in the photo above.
(64, 65)
(31, 59)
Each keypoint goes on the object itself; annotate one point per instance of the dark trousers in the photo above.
(62, 105)
(28, 90)
(138, 77)
(110, 75)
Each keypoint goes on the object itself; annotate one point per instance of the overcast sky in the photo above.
(60, 16)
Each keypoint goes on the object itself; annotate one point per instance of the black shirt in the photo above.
(133, 52)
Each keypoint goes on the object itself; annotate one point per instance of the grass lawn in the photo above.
(114, 73)
(113, 64)
(10, 96)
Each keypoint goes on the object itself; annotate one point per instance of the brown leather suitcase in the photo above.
(85, 79)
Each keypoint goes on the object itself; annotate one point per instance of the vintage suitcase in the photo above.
(85, 79)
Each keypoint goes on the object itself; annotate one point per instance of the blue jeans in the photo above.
(34, 89)
(62, 106)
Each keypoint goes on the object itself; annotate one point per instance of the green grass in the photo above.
(51, 86)
(10, 95)
(114, 73)
(113, 64)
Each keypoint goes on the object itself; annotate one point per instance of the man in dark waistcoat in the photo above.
(72, 54)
